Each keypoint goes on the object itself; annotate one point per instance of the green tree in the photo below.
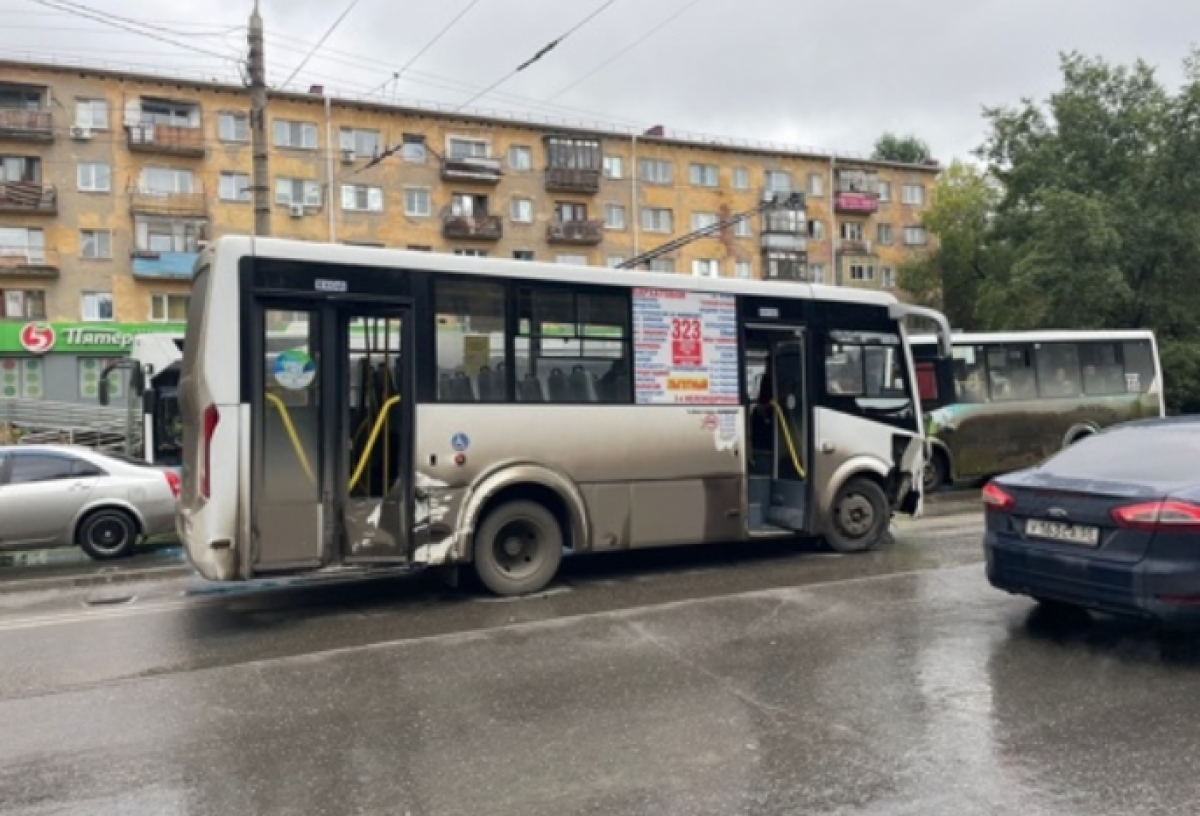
(908, 149)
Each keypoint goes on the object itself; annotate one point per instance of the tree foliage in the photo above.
(909, 149)
(1091, 219)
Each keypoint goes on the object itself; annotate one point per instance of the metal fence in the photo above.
(41, 422)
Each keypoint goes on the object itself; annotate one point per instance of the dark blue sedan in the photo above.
(1112, 523)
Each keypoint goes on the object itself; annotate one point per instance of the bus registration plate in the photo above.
(1058, 531)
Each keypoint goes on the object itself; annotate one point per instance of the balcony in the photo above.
(174, 140)
(785, 266)
(155, 202)
(473, 227)
(164, 265)
(855, 203)
(28, 198)
(854, 246)
(26, 262)
(469, 168)
(784, 230)
(26, 125)
(572, 180)
(578, 233)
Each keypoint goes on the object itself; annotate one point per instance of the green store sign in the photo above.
(77, 338)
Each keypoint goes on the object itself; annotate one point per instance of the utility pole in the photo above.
(258, 125)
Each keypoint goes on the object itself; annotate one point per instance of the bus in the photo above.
(153, 366)
(354, 408)
(1021, 396)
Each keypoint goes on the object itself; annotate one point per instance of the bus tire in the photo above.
(107, 533)
(936, 472)
(518, 548)
(858, 518)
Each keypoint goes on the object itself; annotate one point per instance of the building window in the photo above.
(167, 234)
(862, 272)
(26, 169)
(703, 220)
(657, 220)
(572, 260)
(417, 201)
(362, 198)
(170, 113)
(614, 216)
(166, 181)
(95, 244)
(852, 230)
(97, 306)
(573, 347)
(817, 273)
(523, 255)
(521, 210)
(663, 265)
(413, 149)
(359, 142)
(741, 178)
(297, 135)
(297, 191)
(912, 194)
(168, 308)
(816, 185)
(884, 234)
(614, 167)
(235, 187)
(22, 242)
(742, 229)
(885, 192)
(570, 211)
(703, 175)
(22, 303)
(655, 171)
(816, 230)
(233, 127)
(91, 113)
(706, 268)
(520, 158)
(471, 253)
(470, 340)
(614, 261)
(94, 177)
(779, 181)
(887, 277)
(742, 269)
(459, 148)
(914, 236)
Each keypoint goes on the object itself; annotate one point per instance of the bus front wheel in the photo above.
(859, 517)
(518, 548)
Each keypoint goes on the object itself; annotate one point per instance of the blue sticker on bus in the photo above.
(460, 442)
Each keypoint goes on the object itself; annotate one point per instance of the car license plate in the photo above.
(1058, 531)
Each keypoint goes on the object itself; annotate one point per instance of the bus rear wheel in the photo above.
(935, 474)
(518, 548)
(859, 517)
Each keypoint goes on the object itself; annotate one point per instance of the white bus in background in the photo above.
(153, 366)
(357, 407)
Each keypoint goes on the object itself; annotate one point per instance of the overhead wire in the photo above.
(678, 13)
(546, 49)
(321, 42)
(430, 44)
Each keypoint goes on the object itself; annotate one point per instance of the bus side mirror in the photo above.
(137, 380)
(102, 396)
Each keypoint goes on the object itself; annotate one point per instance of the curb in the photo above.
(94, 579)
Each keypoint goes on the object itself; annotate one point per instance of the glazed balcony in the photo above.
(470, 168)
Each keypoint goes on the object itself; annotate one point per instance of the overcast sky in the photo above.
(831, 74)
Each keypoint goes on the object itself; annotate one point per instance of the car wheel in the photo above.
(107, 534)
(518, 548)
(934, 476)
(859, 517)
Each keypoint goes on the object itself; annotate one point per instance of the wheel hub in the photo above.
(856, 515)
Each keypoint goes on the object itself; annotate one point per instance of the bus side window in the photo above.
(1058, 370)
(1010, 369)
(470, 340)
(970, 380)
(1139, 366)
(1103, 371)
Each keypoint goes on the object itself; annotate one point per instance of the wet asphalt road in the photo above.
(720, 680)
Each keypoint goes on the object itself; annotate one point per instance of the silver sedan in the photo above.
(55, 495)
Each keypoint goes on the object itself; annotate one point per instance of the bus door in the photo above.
(778, 477)
(332, 429)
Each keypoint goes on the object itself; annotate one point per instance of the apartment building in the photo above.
(110, 181)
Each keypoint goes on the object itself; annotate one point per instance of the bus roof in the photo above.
(1038, 336)
(326, 253)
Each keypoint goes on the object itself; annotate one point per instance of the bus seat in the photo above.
(491, 385)
(583, 385)
(463, 390)
(557, 386)
(530, 389)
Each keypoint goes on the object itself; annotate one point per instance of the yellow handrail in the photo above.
(787, 437)
(366, 454)
(291, 432)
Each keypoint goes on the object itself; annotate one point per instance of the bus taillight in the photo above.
(211, 417)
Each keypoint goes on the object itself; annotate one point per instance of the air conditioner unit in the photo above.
(296, 210)
(81, 133)
(349, 157)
